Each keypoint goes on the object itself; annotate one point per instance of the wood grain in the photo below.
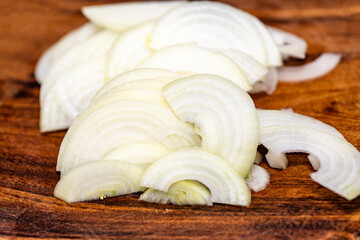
(292, 207)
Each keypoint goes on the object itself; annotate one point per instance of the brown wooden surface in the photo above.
(292, 207)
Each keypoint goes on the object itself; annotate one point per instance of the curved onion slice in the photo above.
(184, 192)
(225, 114)
(225, 184)
(149, 90)
(95, 47)
(190, 59)
(133, 75)
(270, 118)
(85, 182)
(259, 178)
(142, 154)
(289, 44)
(120, 16)
(129, 50)
(71, 94)
(318, 68)
(99, 129)
(253, 70)
(61, 46)
(339, 161)
(268, 85)
(216, 25)
(142, 94)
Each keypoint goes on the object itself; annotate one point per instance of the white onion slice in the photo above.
(318, 68)
(129, 50)
(120, 16)
(96, 46)
(216, 25)
(191, 59)
(272, 118)
(61, 46)
(71, 94)
(103, 127)
(225, 184)
(254, 70)
(85, 182)
(268, 85)
(339, 168)
(225, 114)
(134, 75)
(259, 178)
(184, 192)
(142, 154)
(289, 44)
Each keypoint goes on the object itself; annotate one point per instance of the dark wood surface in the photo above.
(291, 207)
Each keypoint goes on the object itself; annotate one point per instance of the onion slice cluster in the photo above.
(156, 95)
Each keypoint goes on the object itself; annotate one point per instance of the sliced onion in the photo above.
(71, 94)
(289, 118)
(254, 70)
(268, 85)
(339, 168)
(135, 75)
(142, 154)
(259, 178)
(85, 182)
(99, 129)
(184, 192)
(120, 16)
(216, 25)
(289, 44)
(225, 184)
(61, 46)
(96, 46)
(191, 59)
(271, 118)
(318, 68)
(225, 114)
(129, 50)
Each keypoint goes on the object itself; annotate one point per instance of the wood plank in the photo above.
(292, 207)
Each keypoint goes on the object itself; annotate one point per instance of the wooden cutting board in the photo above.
(291, 207)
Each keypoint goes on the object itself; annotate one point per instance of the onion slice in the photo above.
(268, 85)
(71, 94)
(184, 192)
(142, 154)
(120, 16)
(96, 46)
(339, 168)
(254, 70)
(318, 68)
(190, 59)
(134, 75)
(61, 46)
(289, 44)
(129, 50)
(101, 128)
(223, 112)
(85, 182)
(258, 178)
(216, 25)
(225, 184)
(272, 118)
